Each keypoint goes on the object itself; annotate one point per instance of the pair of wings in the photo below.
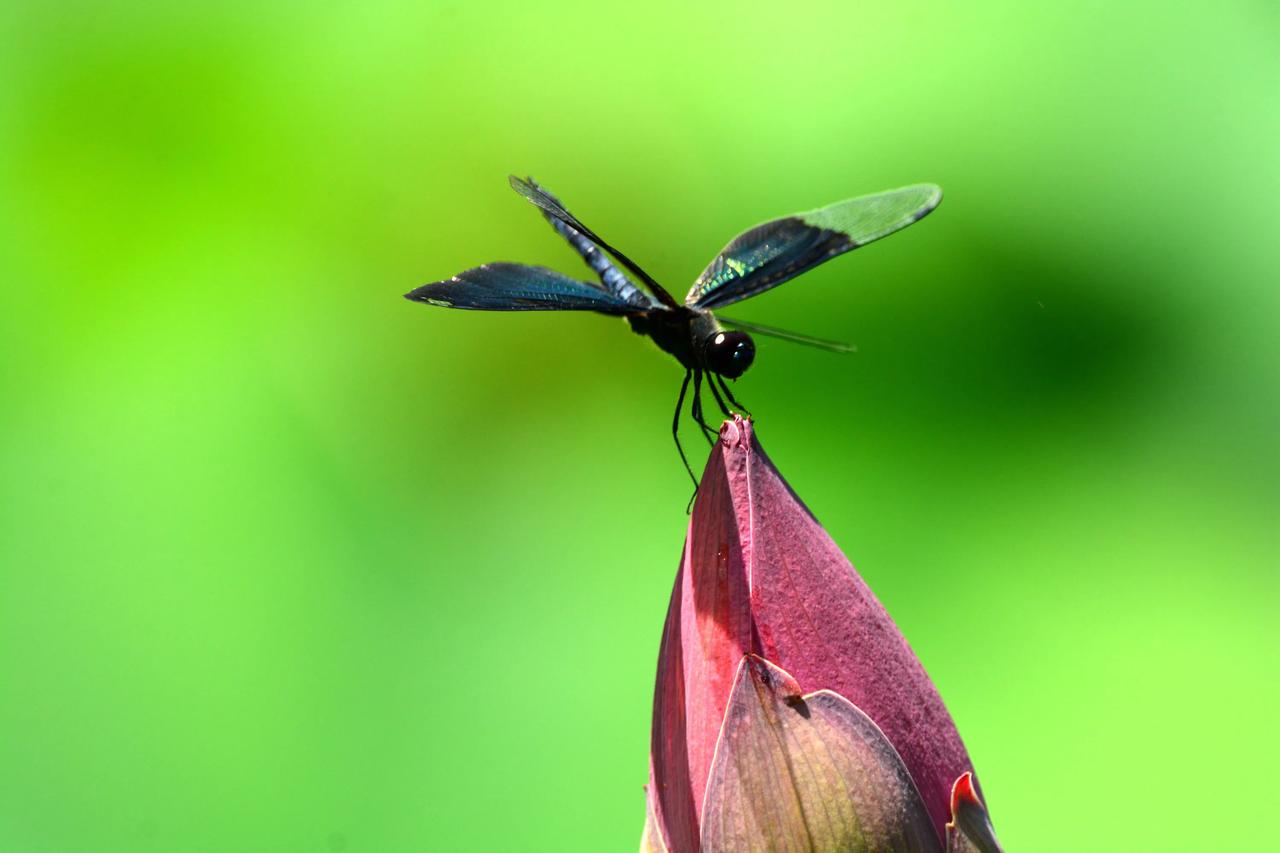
(754, 261)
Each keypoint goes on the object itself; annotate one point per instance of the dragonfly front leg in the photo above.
(711, 383)
(724, 386)
(675, 429)
(708, 432)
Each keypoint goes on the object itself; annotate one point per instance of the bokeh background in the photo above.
(288, 563)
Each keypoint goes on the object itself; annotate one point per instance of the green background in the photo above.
(288, 563)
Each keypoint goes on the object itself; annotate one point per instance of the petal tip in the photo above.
(970, 827)
(962, 792)
(735, 432)
(773, 678)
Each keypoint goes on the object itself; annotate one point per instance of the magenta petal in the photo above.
(651, 839)
(809, 772)
(760, 576)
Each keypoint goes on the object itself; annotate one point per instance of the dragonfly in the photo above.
(708, 345)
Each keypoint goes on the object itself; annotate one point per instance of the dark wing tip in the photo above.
(430, 294)
(530, 190)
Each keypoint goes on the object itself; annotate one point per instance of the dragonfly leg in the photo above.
(675, 431)
(711, 383)
(724, 386)
(707, 431)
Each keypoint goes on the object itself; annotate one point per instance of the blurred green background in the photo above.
(288, 563)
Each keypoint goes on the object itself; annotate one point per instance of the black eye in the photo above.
(730, 353)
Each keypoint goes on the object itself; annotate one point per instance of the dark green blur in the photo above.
(289, 563)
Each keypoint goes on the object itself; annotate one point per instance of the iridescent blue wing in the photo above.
(771, 253)
(548, 204)
(613, 279)
(517, 287)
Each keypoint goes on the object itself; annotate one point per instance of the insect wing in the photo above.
(785, 335)
(611, 277)
(517, 287)
(546, 202)
(551, 206)
(769, 254)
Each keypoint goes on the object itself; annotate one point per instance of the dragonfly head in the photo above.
(729, 353)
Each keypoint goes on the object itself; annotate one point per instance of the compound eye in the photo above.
(730, 353)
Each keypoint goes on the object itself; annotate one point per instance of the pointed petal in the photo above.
(809, 773)
(819, 619)
(970, 829)
(708, 630)
(761, 576)
(651, 839)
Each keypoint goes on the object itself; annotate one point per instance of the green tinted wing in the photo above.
(771, 253)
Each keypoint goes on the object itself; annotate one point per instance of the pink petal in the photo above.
(809, 773)
(761, 576)
(651, 840)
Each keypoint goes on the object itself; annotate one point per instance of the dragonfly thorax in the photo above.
(696, 340)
